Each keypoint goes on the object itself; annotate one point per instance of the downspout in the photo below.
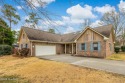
(76, 46)
(105, 48)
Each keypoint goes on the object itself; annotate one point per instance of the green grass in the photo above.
(118, 56)
(12, 79)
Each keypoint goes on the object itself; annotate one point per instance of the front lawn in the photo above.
(119, 56)
(34, 70)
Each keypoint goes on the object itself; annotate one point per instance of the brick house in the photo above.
(94, 42)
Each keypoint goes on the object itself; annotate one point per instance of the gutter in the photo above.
(51, 42)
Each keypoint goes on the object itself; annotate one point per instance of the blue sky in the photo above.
(70, 14)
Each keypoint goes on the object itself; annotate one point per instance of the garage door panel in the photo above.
(42, 50)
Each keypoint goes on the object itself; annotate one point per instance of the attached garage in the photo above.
(42, 50)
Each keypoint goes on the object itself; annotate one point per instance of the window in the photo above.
(95, 46)
(83, 46)
(26, 46)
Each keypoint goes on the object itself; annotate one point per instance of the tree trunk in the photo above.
(10, 22)
(10, 25)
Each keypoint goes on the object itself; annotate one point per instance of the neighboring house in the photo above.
(95, 42)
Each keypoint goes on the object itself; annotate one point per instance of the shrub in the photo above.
(117, 49)
(123, 48)
(16, 51)
(24, 52)
(5, 50)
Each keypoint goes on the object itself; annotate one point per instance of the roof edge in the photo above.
(49, 41)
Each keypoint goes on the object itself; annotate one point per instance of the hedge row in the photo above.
(117, 49)
(5, 50)
(123, 48)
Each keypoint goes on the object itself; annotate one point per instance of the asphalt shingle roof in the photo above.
(104, 30)
(35, 34)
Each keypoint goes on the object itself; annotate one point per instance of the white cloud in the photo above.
(41, 3)
(17, 13)
(74, 19)
(19, 7)
(69, 30)
(70, 20)
(96, 23)
(104, 9)
(80, 12)
(58, 23)
(121, 5)
(77, 15)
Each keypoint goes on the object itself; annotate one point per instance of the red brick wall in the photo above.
(93, 53)
(108, 42)
(96, 38)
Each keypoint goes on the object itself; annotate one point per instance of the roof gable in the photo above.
(21, 33)
(103, 31)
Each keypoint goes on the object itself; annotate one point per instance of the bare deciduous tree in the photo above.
(117, 19)
(87, 22)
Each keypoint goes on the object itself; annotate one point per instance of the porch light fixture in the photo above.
(33, 46)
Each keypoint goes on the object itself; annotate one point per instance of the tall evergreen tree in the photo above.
(51, 30)
(33, 19)
(10, 14)
(6, 35)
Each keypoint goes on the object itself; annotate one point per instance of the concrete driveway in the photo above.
(95, 63)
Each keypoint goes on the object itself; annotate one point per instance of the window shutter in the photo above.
(91, 45)
(80, 47)
(99, 46)
(85, 47)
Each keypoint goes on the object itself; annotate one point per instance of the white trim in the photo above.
(72, 48)
(31, 50)
(65, 48)
(105, 38)
(76, 48)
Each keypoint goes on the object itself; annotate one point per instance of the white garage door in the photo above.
(42, 50)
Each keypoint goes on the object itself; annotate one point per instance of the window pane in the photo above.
(26, 46)
(95, 46)
(83, 46)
